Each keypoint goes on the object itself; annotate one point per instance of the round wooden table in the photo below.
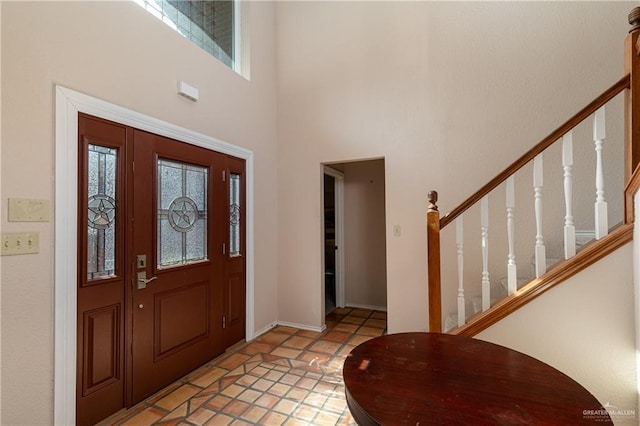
(432, 378)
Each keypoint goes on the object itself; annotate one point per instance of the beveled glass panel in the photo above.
(196, 241)
(182, 213)
(196, 182)
(234, 214)
(171, 185)
(101, 214)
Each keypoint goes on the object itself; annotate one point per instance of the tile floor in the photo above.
(286, 377)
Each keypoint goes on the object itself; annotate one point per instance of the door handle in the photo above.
(143, 281)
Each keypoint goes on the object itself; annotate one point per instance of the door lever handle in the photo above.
(143, 281)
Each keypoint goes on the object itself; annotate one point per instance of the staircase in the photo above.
(469, 290)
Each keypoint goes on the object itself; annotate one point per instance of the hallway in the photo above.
(286, 376)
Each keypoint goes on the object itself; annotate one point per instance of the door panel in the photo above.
(174, 328)
(101, 269)
(235, 310)
(177, 207)
(101, 349)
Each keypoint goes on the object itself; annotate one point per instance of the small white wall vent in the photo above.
(188, 91)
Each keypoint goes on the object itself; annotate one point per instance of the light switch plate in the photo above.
(29, 210)
(14, 243)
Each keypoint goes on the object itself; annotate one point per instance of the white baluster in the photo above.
(541, 258)
(512, 280)
(567, 165)
(602, 222)
(460, 246)
(484, 230)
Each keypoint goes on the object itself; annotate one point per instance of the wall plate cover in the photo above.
(14, 243)
(29, 210)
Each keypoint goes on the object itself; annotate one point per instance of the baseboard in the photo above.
(374, 308)
(311, 328)
(264, 330)
(302, 326)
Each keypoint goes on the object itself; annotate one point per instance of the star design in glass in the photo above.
(102, 211)
(183, 214)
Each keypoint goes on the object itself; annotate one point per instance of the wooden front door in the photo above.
(161, 266)
(102, 272)
(178, 218)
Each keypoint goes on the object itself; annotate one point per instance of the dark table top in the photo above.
(432, 378)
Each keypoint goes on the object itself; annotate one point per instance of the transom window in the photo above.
(212, 25)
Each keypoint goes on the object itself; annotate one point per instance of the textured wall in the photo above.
(584, 328)
(117, 52)
(448, 93)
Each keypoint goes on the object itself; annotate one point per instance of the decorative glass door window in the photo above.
(182, 213)
(101, 218)
(234, 214)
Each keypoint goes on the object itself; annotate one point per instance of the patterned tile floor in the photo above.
(286, 377)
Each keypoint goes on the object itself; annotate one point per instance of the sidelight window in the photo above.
(234, 214)
(101, 215)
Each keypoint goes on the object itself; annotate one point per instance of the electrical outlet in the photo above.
(13, 243)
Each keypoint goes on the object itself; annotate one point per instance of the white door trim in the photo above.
(340, 261)
(68, 104)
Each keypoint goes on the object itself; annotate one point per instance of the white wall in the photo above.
(584, 328)
(636, 294)
(1, 225)
(449, 93)
(114, 51)
(364, 232)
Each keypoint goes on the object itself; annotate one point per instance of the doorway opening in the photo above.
(354, 236)
(333, 240)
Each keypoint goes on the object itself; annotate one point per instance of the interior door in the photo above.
(179, 215)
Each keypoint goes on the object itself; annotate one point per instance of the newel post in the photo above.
(632, 96)
(433, 263)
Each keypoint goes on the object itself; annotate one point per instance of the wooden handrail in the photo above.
(629, 193)
(585, 112)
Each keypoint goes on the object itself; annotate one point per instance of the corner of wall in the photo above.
(1, 195)
(636, 296)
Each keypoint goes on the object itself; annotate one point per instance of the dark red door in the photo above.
(102, 271)
(179, 207)
(161, 273)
